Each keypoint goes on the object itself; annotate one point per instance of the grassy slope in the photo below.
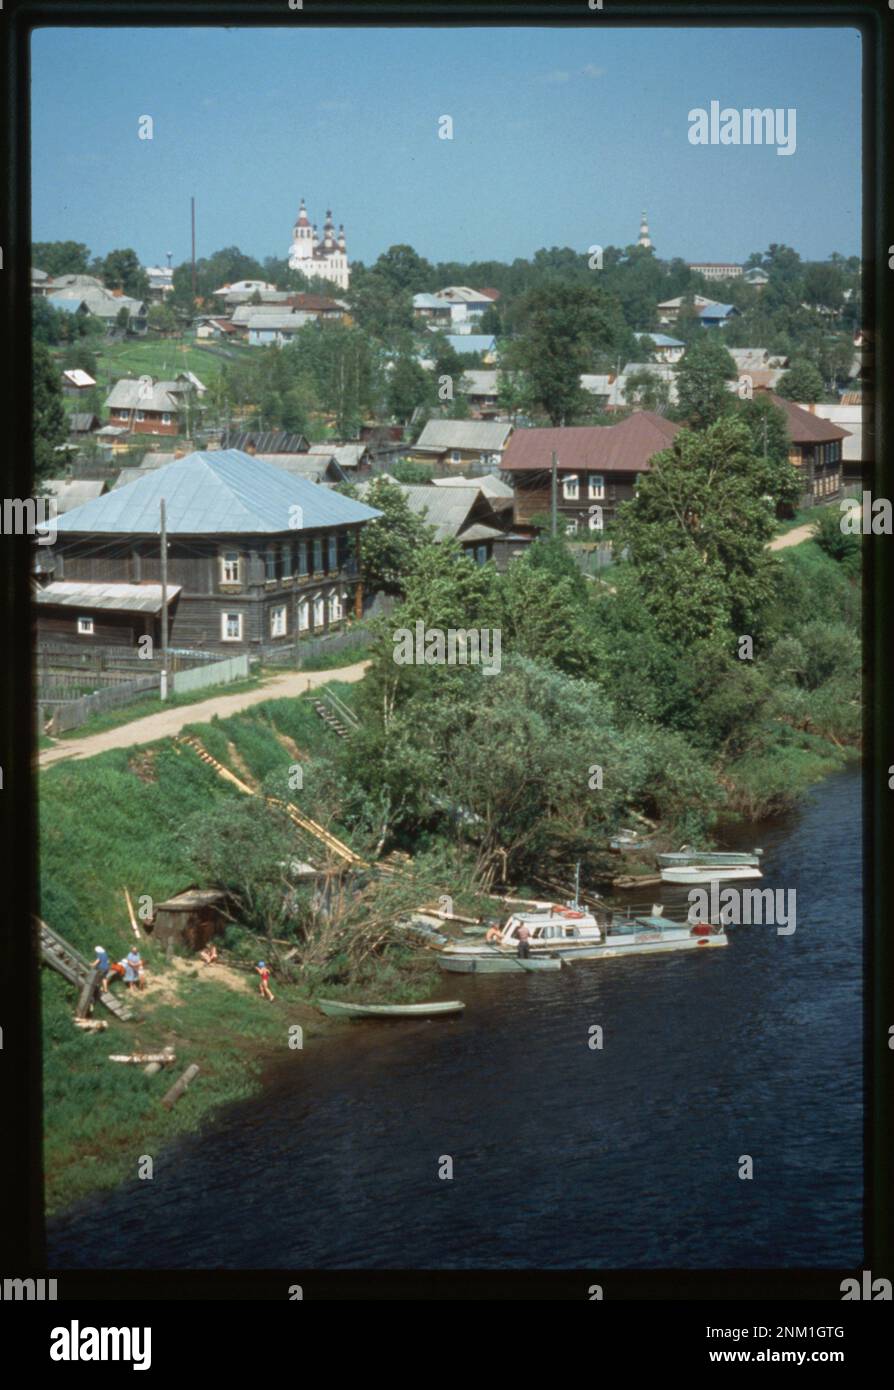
(112, 821)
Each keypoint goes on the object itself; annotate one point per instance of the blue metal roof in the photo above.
(66, 302)
(715, 311)
(224, 492)
(661, 339)
(471, 342)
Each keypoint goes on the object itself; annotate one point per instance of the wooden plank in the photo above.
(86, 995)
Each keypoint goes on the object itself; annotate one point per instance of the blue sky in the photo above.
(561, 137)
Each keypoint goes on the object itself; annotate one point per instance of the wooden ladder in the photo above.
(60, 956)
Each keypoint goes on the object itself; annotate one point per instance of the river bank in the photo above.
(114, 820)
(624, 1157)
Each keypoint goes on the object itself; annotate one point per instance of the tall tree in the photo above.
(48, 414)
(702, 376)
(121, 270)
(61, 257)
(697, 534)
(802, 382)
(563, 331)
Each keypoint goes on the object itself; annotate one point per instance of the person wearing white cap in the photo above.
(102, 962)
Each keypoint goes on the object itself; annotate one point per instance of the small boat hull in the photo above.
(709, 873)
(690, 858)
(496, 964)
(337, 1008)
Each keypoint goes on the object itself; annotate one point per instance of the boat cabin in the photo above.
(557, 924)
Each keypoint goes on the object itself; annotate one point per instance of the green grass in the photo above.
(162, 358)
(804, 517)
(115, 821)
(140, 709)
(100, 1116)
(330, 661)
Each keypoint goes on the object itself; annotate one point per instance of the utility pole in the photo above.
(554, 484)
(164, 601)
(193, 214)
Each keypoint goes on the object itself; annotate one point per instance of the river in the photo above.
(563, 1156)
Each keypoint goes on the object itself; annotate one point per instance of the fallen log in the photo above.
(141, 1057)
(176, 1091)
(155, 1067)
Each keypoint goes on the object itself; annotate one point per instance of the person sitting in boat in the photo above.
(524, 937)
(494, 933)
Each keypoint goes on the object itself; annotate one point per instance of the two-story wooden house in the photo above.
(597, 467)
(815, 450)
(257, 557)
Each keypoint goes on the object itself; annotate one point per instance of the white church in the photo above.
(325, 257)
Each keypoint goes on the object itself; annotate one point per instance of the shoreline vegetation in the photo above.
(464, 787)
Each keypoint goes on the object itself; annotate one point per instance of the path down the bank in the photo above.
(169, 722)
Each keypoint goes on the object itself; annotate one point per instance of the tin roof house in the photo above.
(259, 557)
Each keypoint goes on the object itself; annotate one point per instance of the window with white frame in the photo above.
(287, 559)
(571, 527)
(85, 627)
(278, 620)
(302, 557)
(231, 627)
(571, 488)
(597, 487)
(334, 608)
(165, 417)
(303, 615)
(333, 554)
(455, 456)
(141, 415)
(230, 567)
(319, 611)
(318, 554)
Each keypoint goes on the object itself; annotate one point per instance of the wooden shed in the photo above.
(190, 919)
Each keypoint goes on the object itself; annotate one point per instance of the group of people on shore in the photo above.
(131, 969)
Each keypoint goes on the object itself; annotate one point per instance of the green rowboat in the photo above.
(338, 1008)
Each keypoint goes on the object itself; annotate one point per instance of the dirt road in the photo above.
(794, 537)
(169, 722)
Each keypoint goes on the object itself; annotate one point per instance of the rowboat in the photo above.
(687, 856)
(709, 873)
(558, 935)
(338, 1008)
(495, 963)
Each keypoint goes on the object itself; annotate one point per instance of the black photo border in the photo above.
(22, 1242)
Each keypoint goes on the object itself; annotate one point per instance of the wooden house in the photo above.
(816, 450)
(258, 557)
(461, 442)
(597, 467)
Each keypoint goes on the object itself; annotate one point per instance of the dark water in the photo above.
(562, 1156)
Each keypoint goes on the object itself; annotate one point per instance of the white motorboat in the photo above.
(569, 933)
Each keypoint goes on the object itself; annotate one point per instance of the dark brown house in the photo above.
(596, 466)
(257, 557)
(815, 450)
